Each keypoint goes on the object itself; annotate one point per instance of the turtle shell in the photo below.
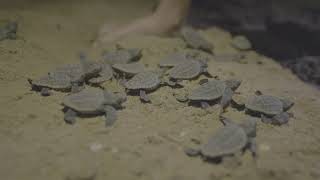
(228, 140)
(69, 69)
(186, 70)
(145, 80)
(173, 59)
(54, 80)
(87, 101)
(265, 104)
(77, 71)
(209, 91)
(130, 69)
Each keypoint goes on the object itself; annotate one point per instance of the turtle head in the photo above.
(135, 52)
(114, 99)
(12, 26)
(233, 83)
(204, 66)
(203, 62)
(287, 104)
(83, 62)
(121, 97)
(82, 57)
(161, 72)
(250, 126)
(11, 29)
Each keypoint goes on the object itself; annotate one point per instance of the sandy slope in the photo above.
(147, 140)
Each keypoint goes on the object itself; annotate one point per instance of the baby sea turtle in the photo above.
(229, 140)
(271, 109)
(186, 71)
(8, 30)
(142, 82)
(66, 78)
(173, 59)
(122, 56)
(195, 40)
(93, 101)
(214, 90)
(129, 70)
(105, 74)
(53, 80)
(241, 43)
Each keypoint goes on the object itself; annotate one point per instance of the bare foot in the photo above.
(167, 18)
(147, 25)
(108, 28)
(107, 34)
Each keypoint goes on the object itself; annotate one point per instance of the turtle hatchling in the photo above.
(271, 109)
(66, 78)
(241, 43)
(86, 71)
(214, 90)
(187, 71)
(195, 40)
(142, 82)
(128, 70)
(8, 30)
(93, 101)
(229, 140)
(53, 80)
(122, 56)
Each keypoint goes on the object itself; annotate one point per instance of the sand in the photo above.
(147, 141)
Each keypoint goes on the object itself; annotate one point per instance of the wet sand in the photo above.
(147, 141)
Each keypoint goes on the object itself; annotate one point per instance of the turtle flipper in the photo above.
(226, 99)
(171, 83)
(97, 80)
(266, 119)
(226, 121)
(88, 69)
(70, 116)
(192, 152)
(110, 115)
(122, 82)
(280, 119)
(143, 96)
(45, 92)
(203, 81)
(75, 87)
(204, 105)
(252, 143)
(207, 73)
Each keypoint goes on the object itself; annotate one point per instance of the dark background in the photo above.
(288, 31)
